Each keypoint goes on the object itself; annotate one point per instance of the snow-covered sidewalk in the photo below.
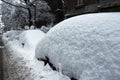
(19, 60)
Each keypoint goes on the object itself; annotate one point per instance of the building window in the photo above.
(79, 4)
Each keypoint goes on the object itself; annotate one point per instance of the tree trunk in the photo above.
(34, 15)
(29, 17)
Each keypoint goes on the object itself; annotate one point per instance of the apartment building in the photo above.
(77, 7)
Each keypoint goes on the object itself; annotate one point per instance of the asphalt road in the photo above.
(1, 62)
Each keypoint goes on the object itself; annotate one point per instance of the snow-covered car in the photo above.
(85, 47)
(29, 38)
(11, 35)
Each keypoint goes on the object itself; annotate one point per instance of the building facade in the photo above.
(77, 7)
(63, 9)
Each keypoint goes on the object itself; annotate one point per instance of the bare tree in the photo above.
(34, 9)
(27, 7)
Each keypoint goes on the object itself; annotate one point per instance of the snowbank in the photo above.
(10, 35)
(85, 47)
(22, 62)
(30, 38)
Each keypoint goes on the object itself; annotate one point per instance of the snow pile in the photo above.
(30, 38)
(27, 67)
(11, 35)
(85, 47)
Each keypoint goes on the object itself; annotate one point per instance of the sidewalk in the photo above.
(14, 67)
(8, 67)
(1, 61)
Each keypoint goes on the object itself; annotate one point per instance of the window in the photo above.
(79, 2)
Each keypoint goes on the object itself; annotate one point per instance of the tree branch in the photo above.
(14, 4)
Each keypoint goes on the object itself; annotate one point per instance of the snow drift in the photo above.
(11, 35)
(85, 47)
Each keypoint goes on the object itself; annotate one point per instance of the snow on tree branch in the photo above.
(13, 4)
(17, 14)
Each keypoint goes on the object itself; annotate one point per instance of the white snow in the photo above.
(10, 35)
(27, 66)
(85, 47)
(30, 38)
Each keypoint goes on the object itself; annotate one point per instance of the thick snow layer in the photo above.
(85, 47)
(11, 35)
(30, 38)
(26, 66)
